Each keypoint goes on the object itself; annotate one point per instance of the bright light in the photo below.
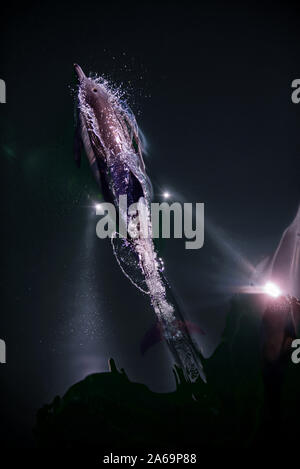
(272, 290)
(166, 195)
(98, 207)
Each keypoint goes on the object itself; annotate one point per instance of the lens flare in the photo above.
(272, 290)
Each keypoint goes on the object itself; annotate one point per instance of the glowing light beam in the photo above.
(272, 290)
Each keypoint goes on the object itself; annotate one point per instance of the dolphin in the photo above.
(108, 131)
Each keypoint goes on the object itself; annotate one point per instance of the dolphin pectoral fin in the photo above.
(77, 146)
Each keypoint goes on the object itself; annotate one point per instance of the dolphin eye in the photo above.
(95, 90)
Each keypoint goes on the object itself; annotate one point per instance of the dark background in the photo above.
(210, 85)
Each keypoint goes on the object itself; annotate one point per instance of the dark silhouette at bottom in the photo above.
(248, 401)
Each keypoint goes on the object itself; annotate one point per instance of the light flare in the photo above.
(272, 289)
(98, 208)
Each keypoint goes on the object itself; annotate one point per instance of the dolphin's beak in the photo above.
(80, 72)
